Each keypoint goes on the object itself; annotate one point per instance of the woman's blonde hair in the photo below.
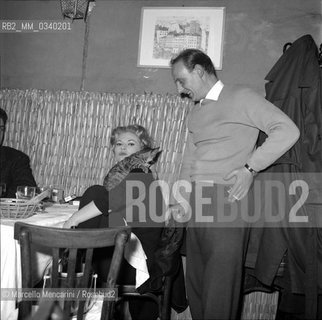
(138, 130)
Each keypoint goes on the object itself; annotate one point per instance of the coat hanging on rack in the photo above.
(295, 87)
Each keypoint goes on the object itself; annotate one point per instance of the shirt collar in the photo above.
(215, 91)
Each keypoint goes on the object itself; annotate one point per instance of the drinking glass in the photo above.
(25, 192)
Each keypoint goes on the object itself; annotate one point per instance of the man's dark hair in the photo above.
(3, 116)
(191, 57)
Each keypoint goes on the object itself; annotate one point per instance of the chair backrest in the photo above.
(72, 241)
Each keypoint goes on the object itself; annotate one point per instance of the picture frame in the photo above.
(165, 31)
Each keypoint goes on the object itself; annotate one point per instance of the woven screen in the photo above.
(66, 134)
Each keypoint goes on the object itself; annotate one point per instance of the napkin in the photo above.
(136, 257)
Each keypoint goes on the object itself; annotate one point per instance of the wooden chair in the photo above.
(172, 237)
(73, 240)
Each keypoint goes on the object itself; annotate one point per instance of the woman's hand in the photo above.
(87, 212)
(69, 223)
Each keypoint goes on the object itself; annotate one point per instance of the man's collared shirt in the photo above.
(214, 92)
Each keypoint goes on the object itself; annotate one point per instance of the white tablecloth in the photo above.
(10, 251)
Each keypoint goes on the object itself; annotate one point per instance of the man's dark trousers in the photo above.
(216, 253)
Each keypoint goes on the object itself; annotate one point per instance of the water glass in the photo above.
(25, 192)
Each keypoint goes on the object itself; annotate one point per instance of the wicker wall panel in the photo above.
(66, 134)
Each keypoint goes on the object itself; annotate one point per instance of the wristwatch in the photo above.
(251, 170)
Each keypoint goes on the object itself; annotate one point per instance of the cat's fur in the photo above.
(142, 159)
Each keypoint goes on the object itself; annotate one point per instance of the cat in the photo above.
(142, 159)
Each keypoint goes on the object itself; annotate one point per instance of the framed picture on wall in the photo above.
(165, 31)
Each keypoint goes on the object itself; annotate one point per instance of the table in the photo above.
(53, 216)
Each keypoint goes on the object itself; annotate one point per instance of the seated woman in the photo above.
(102, 208)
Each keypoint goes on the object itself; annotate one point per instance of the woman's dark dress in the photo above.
(112, 204)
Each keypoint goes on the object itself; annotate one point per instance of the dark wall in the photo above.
(255, 32)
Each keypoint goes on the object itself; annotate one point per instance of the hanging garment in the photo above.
(295, 87)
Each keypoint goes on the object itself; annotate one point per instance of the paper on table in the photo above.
(135, 256)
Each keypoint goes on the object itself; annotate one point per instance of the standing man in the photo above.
(14, 165)
(223, 128)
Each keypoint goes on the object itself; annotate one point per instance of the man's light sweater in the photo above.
(223, 134)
